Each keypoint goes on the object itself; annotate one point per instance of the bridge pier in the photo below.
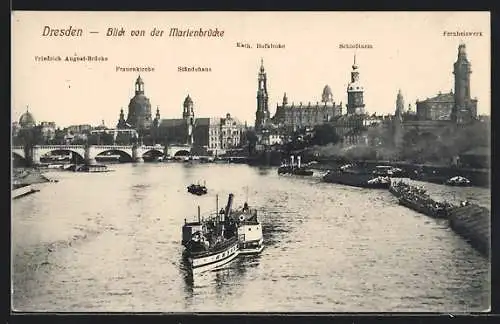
(137, 154)
(35, 155)
(90, 155)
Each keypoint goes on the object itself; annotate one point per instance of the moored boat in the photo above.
(291, 168)
(197, 189)
(348, 175)
(210, 243)
(458, 181)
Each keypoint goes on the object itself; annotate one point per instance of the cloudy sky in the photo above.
(409, 52)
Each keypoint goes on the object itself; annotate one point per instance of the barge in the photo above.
(357, 177)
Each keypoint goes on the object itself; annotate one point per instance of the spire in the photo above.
(285, 100)
(27, 108)
(354, 65)
(261, 65)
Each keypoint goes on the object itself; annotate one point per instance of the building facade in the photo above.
(212, 135)
(291, 117)
(439, 107)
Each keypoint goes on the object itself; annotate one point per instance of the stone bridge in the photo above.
(88, 153)
(173, 150)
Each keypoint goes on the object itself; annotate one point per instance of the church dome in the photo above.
(27, 120)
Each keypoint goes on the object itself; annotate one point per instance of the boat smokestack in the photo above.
(229, 205)
(298, 161)
(217, 206)
(199, 215)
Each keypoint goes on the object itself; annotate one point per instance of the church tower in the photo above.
(327, 96)
(188, 116)
(355, 90)
(464, 107)
(156, 121)
(121, 120)
(400, 104)
(262, 114)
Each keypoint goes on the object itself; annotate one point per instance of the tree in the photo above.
(123, 138)
(325, 134)
(252, 141)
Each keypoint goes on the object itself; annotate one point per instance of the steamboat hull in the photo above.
(254, 247)
(354, 179)
(210, 260)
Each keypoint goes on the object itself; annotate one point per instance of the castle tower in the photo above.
(355, 104)
(188, 116)
(462, 71)
(262, 114)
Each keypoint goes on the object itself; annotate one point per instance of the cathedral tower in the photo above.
(355, 90)
(262, 114)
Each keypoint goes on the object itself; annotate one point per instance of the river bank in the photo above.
(29, 176)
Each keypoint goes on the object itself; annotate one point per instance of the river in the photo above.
(111, 242)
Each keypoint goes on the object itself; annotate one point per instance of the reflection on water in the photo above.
(112, 242)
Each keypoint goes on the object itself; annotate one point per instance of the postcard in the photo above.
(236, 162)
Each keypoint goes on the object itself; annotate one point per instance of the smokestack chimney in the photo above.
(298, 161)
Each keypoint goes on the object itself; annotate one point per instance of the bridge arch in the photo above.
(50, 151)
(121, 152)
(182, 152)
(156, 152)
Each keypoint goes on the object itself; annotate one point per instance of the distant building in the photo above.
(291, 117)
(79, 129)
(439, 107)
(177, 130)
(27, 120)
(206, 135)
(48, 130)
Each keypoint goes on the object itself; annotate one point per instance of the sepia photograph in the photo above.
(235, 162)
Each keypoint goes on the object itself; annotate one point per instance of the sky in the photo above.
(409, 52)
